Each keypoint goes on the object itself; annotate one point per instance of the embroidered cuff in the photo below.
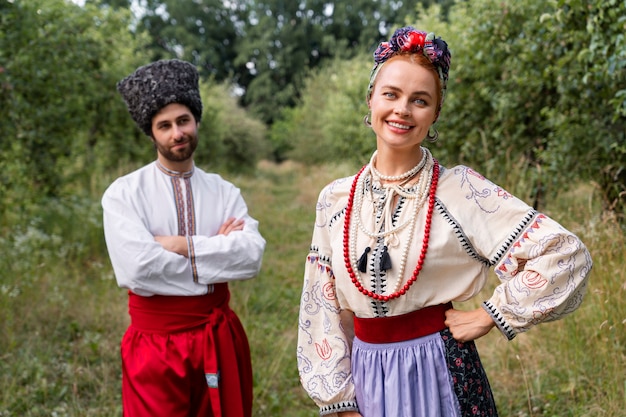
(338, 408)
(504, 327)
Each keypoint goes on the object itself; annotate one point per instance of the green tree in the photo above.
(59, 65)
(539, 87)
(204, 33)
(534, 90)
(592, 96)
(284, 40)
(265, 47)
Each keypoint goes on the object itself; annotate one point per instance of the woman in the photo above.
(396, 244)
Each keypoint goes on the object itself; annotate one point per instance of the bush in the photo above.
(230, 139)
(327, 125)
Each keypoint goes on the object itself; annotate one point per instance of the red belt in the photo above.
(418, 323)
(170, 314)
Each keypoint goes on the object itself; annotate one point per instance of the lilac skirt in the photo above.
(431, 376)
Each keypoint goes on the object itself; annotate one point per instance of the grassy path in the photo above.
(62, 315)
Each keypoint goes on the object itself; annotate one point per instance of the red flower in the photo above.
(416, 39)
(411, 41)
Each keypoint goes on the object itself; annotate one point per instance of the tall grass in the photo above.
(62, 315)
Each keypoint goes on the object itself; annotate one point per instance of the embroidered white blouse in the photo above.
(477, 227)
(153, 201)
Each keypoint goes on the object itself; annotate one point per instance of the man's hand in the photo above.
(468, 325)
(176, 244)
(349, 414)
(230, 225)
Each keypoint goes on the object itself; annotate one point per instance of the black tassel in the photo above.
(362, 265)
(385, 260)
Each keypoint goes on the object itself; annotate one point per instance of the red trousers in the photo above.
(185, 357)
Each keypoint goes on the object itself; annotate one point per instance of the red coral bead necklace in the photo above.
(420, 263)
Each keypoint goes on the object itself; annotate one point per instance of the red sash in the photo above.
(418, 323)
(171, 314)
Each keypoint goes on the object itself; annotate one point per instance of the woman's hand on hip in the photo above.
(468, 325)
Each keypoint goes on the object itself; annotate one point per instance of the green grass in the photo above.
(62, 315)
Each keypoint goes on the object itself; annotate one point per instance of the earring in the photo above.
(366, 120)
(432, 135)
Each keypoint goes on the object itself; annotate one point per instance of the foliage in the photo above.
(536, 101)
(62, 315)
(202, 32)
(266, 47)
(602, 75)
(65, 122)
(537, 86)
(231, 139)
(59, 65)
(58, 357)
(284, 40)
(540, 85)
(327, 123)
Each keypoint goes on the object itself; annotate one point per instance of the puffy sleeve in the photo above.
(543, 275)
(542, 267)
(324, 330)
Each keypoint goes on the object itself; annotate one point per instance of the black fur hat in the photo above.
(154, 86)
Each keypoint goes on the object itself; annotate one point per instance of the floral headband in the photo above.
(408, 39)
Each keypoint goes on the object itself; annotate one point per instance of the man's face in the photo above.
(175, 135)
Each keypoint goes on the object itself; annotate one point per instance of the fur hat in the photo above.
(154, 86)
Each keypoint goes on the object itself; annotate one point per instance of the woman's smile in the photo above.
(403, 104)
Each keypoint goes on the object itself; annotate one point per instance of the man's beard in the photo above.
(179, 155)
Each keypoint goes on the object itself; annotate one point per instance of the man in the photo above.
(176, 236)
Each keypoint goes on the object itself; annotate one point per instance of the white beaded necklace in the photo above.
(418, 198)
(409, 174)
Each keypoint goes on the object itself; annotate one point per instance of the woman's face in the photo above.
(403, 104)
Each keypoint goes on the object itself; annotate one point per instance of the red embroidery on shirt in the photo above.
(474, 173)
(328, 291)
(534, 281)
(502, 193)
(324, 350)
(539, 316)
